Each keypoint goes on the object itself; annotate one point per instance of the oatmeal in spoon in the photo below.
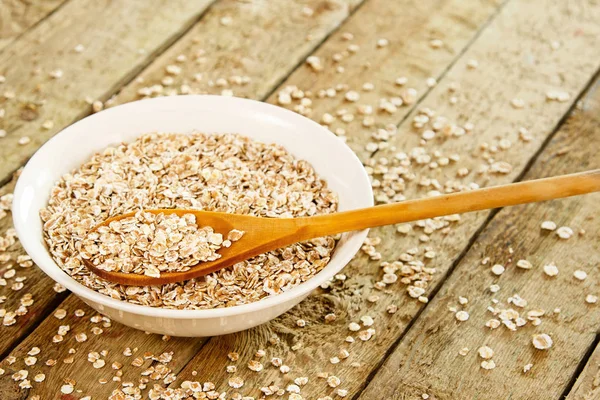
(149, 244)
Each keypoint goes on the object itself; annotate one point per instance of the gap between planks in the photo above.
(579, 371)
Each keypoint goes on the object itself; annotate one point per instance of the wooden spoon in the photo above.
(266, 234)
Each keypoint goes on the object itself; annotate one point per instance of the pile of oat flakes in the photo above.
(148, 244)
(220, 172)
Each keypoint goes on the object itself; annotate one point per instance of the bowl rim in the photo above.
(60, 276)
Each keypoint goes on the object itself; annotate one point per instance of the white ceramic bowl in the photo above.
(305, 139)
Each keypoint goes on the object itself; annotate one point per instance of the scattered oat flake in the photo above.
(551, 270)
(591, 299)
(315, 63)
(492, 323)
(485, 352)
(524, 264)
(548, 225)
(462, 315)
(541, 341)
(517, 103)
(236, 382)
(498, 269)
(557, 95)
(366, 334)
(488, 364)
(580, 275)
(254, 365)
(436, 43)
(29, 361)
(472, 64)
(56, 74)
(527, 368)
(333, 381)
(564, 232)
(58, 288)
(382, 42)
(67, 389)
(48, 124)
(464, 351)
(34, 351)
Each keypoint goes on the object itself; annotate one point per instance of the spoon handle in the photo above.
(455, 203)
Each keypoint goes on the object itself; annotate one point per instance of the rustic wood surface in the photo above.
(114, 339)
(587, 386)
(251, 49)
(37, 284)
(16, 16)
(427, 359)
(118, 40)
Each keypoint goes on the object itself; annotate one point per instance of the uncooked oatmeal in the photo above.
(220, 172)
(149, 244)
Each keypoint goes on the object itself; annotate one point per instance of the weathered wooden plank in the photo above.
(427, 359)
(484, 100)
(117, 39)
(244, 48)
(73, 352)
(16, 16)
(36, 284)
(587, 386)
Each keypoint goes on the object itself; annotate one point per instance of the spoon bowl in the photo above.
(269, 232)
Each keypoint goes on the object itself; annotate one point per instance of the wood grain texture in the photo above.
(118, 41)
(114, 339)
(409, 30)
(427, 359)
(16, 16)
(263, 41)
(587, 386)
(483, 99)
(36, 283)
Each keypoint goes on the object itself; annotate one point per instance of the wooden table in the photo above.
(495, 63)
